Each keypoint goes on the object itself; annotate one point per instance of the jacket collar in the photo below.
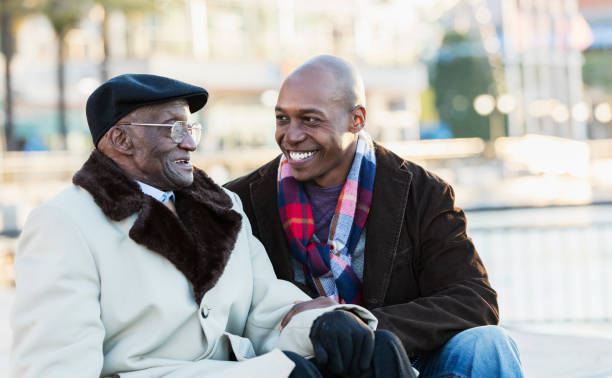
(383, 226)
(198, 242)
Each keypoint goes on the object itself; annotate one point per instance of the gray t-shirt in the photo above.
(323, 202)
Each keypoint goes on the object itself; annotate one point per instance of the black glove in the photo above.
(343, 344)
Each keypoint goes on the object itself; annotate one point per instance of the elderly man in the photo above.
(147, 268)
(343, 217)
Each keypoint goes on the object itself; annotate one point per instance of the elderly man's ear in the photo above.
(358, 119)
(119, 139)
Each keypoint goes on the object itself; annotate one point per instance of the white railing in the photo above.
(548, 264)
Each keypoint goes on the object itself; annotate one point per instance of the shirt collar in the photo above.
(159, 195)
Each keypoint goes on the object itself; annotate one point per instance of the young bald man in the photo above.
(341, 216)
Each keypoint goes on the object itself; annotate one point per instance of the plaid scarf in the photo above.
(327, 265)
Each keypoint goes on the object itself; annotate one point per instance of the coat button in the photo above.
(204, 311)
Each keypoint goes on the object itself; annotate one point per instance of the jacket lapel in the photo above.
(263, 192)
(198, 242)
(384, 224)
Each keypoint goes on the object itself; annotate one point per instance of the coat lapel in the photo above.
(198, 242)
(384, 224)
(263, 192)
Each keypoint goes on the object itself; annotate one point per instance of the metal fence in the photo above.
(548, 264)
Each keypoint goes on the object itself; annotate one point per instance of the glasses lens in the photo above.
(181, 129)
(196, 132)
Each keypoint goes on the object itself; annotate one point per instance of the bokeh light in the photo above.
(484, 104)
(560, 113)
(580, 112)
(506, 103)
(603, 112)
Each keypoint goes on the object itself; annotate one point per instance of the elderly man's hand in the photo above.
(343, 343)
(300, 306)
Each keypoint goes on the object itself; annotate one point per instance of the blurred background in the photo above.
(508, 100)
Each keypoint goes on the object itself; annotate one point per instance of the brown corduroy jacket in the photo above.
(422, 278)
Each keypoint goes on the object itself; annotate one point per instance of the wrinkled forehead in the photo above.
(156, 113)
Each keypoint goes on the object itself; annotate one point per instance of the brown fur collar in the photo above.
(198, 242)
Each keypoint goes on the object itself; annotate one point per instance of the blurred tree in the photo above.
(127, 7)
(596, 69)
(460, 73)
(11, 11)
(63, 16)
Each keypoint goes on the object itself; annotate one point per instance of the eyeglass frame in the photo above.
(173, 134)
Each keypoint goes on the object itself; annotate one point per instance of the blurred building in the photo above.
(599, 15)
(535, 52)
(240, 50)
(598, 60)
(542, 50)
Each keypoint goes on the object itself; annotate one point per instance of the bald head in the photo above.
(347, 85)
(319, 114)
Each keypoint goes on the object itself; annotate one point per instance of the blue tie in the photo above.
(168, 196)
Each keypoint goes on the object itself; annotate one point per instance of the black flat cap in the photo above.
(122, 94)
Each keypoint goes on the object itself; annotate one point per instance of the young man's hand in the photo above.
(300, 306)
(343, 343)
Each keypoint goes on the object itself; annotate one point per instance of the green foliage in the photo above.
(127, 5)
(13, 6)
(62, 14)
(66, 14)
(11, 13)
(461, 73)
(596, 71)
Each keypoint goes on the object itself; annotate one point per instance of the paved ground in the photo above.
(564, 356)
(562, 351)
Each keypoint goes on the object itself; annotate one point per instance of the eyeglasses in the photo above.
(179, 130)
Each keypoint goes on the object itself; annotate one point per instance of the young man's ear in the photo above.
(358, 119)
(120, 140)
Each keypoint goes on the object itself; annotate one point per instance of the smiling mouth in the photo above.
(301, 155)
(186, 163)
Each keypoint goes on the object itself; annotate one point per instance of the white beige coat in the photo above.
(92, 302)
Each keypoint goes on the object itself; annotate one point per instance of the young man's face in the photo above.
(313, 128)
(160, 161)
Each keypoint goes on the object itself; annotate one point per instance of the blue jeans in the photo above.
(485, 351)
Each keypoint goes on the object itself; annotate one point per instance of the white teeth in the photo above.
(300, 155)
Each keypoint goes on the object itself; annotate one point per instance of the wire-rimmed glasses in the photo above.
(179, 130)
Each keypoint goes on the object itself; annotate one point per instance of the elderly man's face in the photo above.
(159, 161)
(312, 123)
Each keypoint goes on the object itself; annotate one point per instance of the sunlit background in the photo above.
(508, 100)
